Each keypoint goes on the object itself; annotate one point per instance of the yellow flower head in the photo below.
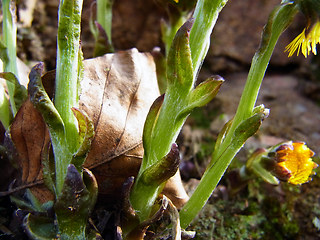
(306, 42)
(294, 163)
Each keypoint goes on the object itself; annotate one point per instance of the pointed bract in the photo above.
(179, 63)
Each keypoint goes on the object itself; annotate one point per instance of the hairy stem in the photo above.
(67, 70)
(9, 39)
(279, 20)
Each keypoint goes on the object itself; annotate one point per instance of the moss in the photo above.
(280, 223)
(205, 149)
(227, 221)
(261, 211)
(203, 117)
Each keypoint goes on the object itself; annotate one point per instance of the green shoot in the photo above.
(101, 28)
(166, 117)
(247, 117)
(4, 109)
(71, 131)
(104, 16)
(205, 15)
(68, 67)
(9, 40)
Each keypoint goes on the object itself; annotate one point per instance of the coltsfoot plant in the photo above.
(71, 132)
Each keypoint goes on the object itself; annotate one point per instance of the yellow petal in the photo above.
(314, 37)
(298, 161)
(305, 42)
(297, 43)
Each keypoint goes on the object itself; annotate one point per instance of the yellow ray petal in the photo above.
(296, 44)
(297, 160)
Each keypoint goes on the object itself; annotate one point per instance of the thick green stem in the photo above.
(62, 158)
(67, 71)
(208, 182)
(183, 61)
(167, 129)
(164, 121)
(66, 92)
(9, 38)
(205, 15)
(223, 155)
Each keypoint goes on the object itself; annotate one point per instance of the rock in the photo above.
(292, 115)
(237, 34)
(136, 24)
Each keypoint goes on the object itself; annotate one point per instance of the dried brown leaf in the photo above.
(30, 135)
(117, 91)
(117, 96)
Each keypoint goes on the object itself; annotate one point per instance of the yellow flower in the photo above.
(294, 163)
(305, 42)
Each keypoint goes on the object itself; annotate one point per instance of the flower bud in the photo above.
(291, 162)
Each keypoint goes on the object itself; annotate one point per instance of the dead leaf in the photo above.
(117, 91)
(175, 191)
(26, 135)
(30, 136)
(117, 96)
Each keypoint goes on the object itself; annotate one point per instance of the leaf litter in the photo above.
(117, 91)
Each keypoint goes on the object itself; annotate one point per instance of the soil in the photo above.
(253, 210)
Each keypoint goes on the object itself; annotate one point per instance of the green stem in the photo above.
(4, 109)
(170, 29)
(183, 60)
(205, 15)
(203, 191)
(143, 195)
(163, 122)
(77, 233)
(67, 70)
(104, 16)
(9, 39)
(222, 157)
(62, 158)
(279, 20)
